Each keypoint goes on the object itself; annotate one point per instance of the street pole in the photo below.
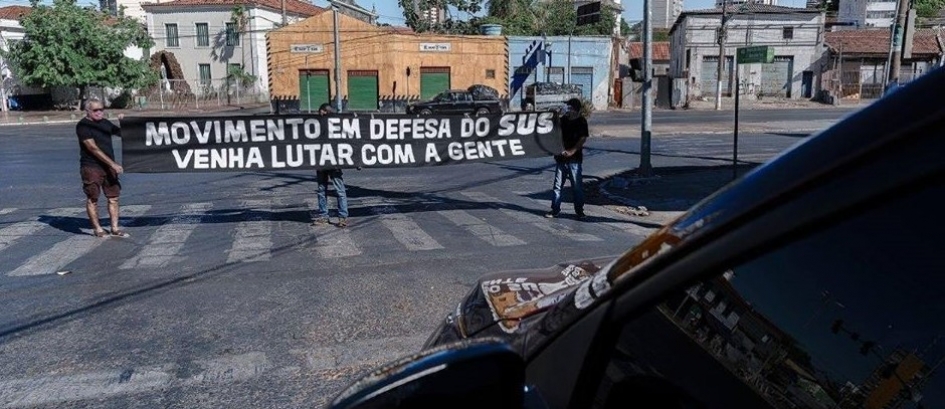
(334, 10)
(900, 24)
(721, 41)
(646, 167)
(285, 20)
(892, 41)
(738, 85)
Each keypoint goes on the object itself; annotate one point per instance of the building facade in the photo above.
(586, 61)
(867, 13)
(665, 13)
(380, 66)
(201, 39)
(796, 34)
(718, 3)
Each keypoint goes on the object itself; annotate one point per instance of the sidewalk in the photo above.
(62, 116)
(665, 196)
(623, 131)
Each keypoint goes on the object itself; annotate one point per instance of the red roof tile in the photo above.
(14, 12)
(876, 41)
(660, 50)
(292, 6)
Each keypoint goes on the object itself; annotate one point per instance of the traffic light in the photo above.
(837, 325)
(867, 347)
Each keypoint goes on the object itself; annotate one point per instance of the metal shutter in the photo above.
(710, 69)
(362, 91)
(433, 80)
(313, 90)
(776, 77)
(584, 76)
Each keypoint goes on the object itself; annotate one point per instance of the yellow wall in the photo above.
(367, 47)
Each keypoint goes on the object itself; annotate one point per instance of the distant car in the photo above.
(815, 281)
(475, 100)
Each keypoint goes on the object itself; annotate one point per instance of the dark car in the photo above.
(814, 281)
(478, 99)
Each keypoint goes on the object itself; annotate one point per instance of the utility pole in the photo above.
(285, 20)
(647, 121)
(899, 26)
(334, 11)
(721, 65)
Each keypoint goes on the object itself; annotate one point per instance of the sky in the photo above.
(390, 12)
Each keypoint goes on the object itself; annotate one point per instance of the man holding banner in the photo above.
(574, 133)
(97, 166)
(337, 179)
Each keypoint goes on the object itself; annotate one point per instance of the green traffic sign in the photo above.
(756, 54)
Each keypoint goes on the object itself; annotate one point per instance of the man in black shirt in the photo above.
(97, 166)
(573, 135)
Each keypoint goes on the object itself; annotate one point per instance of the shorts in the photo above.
(96, 180)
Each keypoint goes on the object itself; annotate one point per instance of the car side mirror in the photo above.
(484, 373)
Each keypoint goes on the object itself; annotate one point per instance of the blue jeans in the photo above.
(571, 171)
(336, 179)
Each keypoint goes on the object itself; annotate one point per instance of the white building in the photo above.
(796, 34)
(867, 13)
(718, 3)
(665, 13)
(199, 37)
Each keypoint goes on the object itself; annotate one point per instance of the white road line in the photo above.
(480, 229)
(8, 210)
(69, 250)
(405, 230)
(16, 231)
(253, 238)
(332, 242)
(166, 243)
(97, 385)
(537, 221)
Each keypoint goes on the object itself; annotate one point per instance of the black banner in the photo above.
(286, 142)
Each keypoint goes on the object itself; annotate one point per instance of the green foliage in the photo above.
(625, 29)
(928, 8)
(450, 26)
(236, 75)
(71, 46)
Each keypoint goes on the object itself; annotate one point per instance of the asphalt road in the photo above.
(681, 117)
(224, 296)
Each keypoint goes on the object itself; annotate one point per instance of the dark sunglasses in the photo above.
(98, 109)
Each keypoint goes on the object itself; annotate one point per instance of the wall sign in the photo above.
(306, 48)
(435, 47)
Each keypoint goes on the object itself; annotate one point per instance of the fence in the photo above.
(186, 94)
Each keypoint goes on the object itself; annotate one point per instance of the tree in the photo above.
(928, 8)
(411, 10)
(70, 46)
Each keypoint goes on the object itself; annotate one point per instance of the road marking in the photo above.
(69, 250)
(164, 245)
(97, 385)
(535, 220)
(405, 230)
(253, 238)
(16, 231)
(332, 242)
(480, 229)
(8, 210)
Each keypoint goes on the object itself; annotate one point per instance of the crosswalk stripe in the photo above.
(7, 210)
(164, 245)
(253, 238)
(405, 230)
(480, 229)
(16, 231)
(69, 250)
(539, 222)
(333, 242)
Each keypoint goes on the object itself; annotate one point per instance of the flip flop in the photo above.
(120, 233)
(101, 233)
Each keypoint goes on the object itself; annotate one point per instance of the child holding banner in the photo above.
(336, 178)
(574, 133)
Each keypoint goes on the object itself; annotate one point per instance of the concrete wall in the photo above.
(471, 59)
(698, 36)
(585, 52)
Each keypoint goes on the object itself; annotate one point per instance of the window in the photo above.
(845, 317)
(232, 35)
(787, 33)
(204, 74)
(203, 35)
(881, 14)
(490, 74)
(171, 35)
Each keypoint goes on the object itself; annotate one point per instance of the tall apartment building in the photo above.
(867, 13)
(665, 13)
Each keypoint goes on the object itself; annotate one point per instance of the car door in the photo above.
(828, 294)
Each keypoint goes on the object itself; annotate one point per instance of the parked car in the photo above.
(477, 99)
(814, 281)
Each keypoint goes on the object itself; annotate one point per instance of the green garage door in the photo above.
(433, 80)
(362, 90)
(313, 89)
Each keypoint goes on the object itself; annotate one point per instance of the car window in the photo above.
(850, 316)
